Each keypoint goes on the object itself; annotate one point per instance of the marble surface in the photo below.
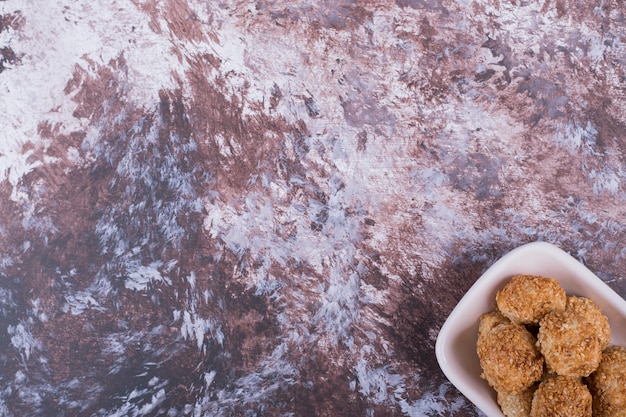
(268, 208)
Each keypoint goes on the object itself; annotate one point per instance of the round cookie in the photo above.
(608, 384)
(571, 340)
(516, 405)
(568, 345)
(509, 358)
(525, 299)
(561, 396)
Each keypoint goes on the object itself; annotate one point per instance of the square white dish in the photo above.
(456, 343)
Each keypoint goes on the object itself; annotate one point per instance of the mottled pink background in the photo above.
(268, 208)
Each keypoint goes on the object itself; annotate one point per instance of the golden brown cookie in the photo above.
(516, 405)
(509, 358)
(561, 396)
(608, 384)
(569, 341)
(525, 299)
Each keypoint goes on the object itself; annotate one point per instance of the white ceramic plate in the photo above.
(456, 343)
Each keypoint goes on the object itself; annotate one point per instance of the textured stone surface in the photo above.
(268, 208)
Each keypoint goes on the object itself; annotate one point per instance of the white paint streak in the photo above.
(56, 37)
(23, 340)
(140, 277)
